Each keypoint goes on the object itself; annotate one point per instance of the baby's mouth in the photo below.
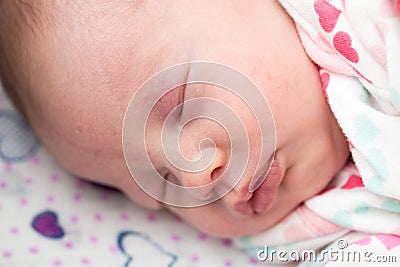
(264, 195)
(259, 201)
(260, 178)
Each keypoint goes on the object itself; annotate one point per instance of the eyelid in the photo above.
(182, 93)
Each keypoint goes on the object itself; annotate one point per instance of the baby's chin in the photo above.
(217, 220)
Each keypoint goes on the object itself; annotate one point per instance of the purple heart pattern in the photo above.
(46, 224)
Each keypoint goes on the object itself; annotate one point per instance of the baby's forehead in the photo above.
(42, 15)
(93, 46)
(100, 38)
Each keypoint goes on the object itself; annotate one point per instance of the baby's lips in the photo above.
(265, 193)
(238, 202)
(259, 178)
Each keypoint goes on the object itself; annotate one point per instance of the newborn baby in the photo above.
(72, 67)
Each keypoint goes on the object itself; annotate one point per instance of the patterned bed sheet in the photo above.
(49, 218)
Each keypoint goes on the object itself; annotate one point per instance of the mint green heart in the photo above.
(343, 217)
(391, 205)
(366, 130)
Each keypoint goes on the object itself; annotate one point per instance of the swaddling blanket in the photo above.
(357, 46)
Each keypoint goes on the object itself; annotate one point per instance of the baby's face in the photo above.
(86, 67)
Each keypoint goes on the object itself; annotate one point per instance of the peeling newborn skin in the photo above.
(89, 62)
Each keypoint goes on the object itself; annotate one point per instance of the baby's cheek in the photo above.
(167, 102)
(137, 195)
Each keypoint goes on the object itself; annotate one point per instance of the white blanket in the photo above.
(356, 43)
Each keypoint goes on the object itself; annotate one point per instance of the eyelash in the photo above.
(182, 93)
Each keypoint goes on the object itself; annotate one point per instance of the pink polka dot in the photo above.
(175, 237)
(23, 201)
(228, 263)
(85, 261)
(8, 167)
(28, 180)
(93, 239)
(56, 263)
(68, 245)
(14, 230)
(202, 236)
(98, 217)
(6, 254)
(77, 197)
(114, 249)
(3, 184)
(50, 199)
(33, 250)
(124, 217)
(35, 160)
(74, 219)
(226, 242)
(54, 178)
(253, 261)
(194, 258)
(151, 217)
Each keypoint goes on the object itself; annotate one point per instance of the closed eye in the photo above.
(182, 92)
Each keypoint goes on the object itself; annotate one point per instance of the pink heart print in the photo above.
(352, 182)
(389, 241)
(363, 242)
(342, 43)
(325, 77)
(327, 13)
(397, 6)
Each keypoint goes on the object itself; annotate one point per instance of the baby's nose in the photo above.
(196, 178)
(238, 200)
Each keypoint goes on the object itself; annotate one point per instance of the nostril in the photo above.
(216, 173)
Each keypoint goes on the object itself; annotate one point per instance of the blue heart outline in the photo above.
(19, 125)
(123, 235)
